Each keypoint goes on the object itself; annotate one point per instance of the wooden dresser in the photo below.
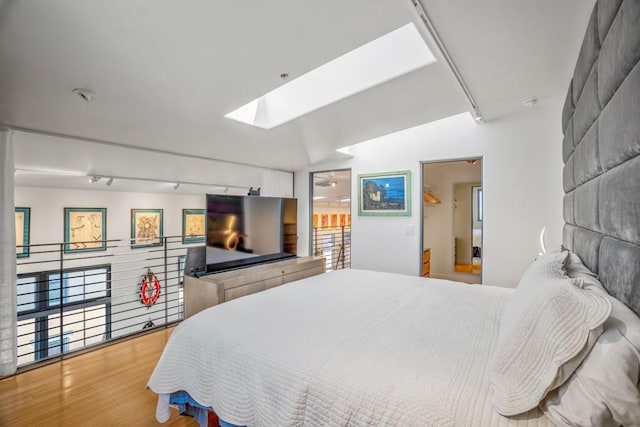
(216, 288)
(426, 262)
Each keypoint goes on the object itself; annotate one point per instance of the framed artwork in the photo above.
(193, 225)
(315, 220)
(23, 220)
(384, 194)
(334, 220)
(146, 228)
(85, 229)
(343, 220)
(324, 220)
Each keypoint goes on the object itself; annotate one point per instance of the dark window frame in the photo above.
(43, 307)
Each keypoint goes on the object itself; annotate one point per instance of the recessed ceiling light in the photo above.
(385, 58)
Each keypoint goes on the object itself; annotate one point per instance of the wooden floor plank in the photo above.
(105, 387)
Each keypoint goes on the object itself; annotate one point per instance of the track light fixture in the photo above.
(94, 178)
(175, 187)
(109, 181)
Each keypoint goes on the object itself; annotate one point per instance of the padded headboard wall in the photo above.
(601, 147)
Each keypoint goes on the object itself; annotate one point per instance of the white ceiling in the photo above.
(165, 72)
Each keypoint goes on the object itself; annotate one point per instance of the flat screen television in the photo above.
(246, 230)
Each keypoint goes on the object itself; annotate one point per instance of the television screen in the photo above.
(244, 230)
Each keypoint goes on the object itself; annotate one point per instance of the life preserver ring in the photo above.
(150, 289)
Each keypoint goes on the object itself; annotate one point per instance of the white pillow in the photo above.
(546, 330)
(603, 391)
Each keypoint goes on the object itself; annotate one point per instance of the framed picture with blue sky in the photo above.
(384, 194)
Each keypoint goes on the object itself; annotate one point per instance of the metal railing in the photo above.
(334, 243)
(68, 301)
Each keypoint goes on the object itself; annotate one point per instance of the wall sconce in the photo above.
(543, 246)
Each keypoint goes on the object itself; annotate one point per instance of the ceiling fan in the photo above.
(324, 182)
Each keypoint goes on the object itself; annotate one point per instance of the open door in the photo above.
(452, 220)
(331, 217)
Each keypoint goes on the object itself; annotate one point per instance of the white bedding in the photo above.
(349, 347)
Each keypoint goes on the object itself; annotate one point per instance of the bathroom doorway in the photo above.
(452, 220)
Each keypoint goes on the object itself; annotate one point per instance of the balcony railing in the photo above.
(70, 301)
(335, 245)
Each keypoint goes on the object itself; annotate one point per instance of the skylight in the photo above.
(392, 55)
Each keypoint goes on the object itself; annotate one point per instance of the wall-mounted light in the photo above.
(543, 246)
(109, 181)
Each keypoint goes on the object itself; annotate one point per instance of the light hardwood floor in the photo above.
(105, 387)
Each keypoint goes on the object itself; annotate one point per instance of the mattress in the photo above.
(346, 348)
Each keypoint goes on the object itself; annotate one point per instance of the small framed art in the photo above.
(193, 225)
(146, 228)
(23, 220)
(85, 229)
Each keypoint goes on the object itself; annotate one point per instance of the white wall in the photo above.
(522, 187)
(47, 209)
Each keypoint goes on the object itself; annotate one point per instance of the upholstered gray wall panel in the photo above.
(585, 205)
(620, 50)
(619, 202)
(607, 11)
(568, 203)
(614, 254)
(587, 244)
(587, 158)
(587, 108)
(568, 233)
(568, 182)
(620, 143)
(601, 150)
(567, 143)
(587, 57)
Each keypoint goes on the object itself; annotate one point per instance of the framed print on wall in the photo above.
(384, 194)
(193, 225)
(146, 228)
(85, 229)
(334, 220)
(23, 224)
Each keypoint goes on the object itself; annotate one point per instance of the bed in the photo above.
(359, 348)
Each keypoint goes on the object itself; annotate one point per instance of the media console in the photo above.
(211, 289)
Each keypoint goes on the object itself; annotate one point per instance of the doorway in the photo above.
(452, 220)
(331, 217)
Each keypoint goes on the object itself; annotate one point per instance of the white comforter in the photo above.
(351, 347)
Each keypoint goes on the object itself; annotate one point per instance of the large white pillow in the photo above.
(604, 390)
(546, 330)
